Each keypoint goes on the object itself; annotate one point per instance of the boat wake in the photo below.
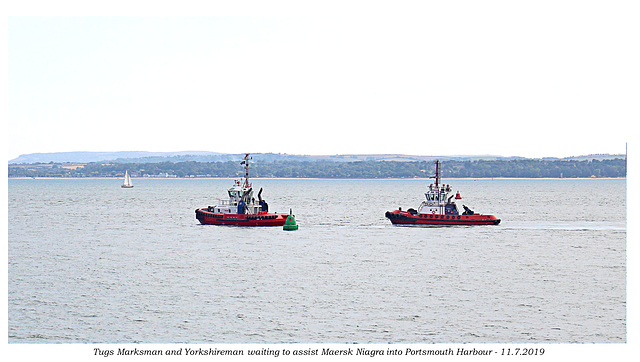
(566, 227)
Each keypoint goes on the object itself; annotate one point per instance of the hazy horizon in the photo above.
(140, 154)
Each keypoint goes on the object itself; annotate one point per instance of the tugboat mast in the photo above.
(437, 176)
(246, 170)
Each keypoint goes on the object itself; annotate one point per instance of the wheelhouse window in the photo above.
(436, 196)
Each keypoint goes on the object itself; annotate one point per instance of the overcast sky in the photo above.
(535, 79)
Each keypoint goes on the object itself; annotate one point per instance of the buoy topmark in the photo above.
(290, 224)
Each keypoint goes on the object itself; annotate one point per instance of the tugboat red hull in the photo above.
(398, 217)
(262, 219)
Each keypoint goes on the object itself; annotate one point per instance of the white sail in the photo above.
(127, 180)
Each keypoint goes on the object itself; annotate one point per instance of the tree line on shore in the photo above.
(520, 168)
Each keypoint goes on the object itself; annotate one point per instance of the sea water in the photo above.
(90, 262)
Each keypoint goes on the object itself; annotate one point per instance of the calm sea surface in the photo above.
(90, 262)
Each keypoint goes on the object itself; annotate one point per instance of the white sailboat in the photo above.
(127, 180)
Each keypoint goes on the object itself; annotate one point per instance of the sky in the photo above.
(533, 79)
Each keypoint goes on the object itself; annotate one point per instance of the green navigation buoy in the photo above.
(290, 224)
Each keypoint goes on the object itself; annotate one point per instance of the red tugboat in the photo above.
(438, 209)
(241, 209)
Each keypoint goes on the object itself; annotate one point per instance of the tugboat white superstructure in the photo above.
(241, 208)
(438, 209)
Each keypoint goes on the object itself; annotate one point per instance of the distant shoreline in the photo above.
(317, 178)
(335, 170)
